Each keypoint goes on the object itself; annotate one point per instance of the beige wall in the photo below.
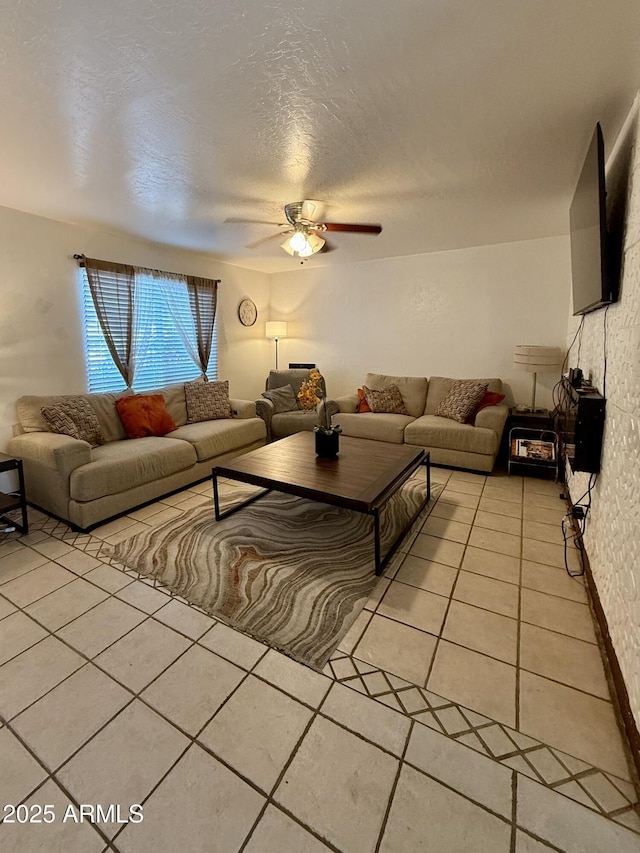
(41, 348)
(451, 313)
(612, 538)
(444, 314)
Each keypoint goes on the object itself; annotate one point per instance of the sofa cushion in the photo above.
(286, 423)
(294, 376)
(175, 401)
(29, 410)
(212, 438)
(121, 465)
(207, 401)
(283, 399)
(144, 414)
(461, 401)
(432, 431)
(412, 388)
(379, 427)
(75, 418)
(439, 387)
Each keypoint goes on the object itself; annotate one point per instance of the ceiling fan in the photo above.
(304, 231)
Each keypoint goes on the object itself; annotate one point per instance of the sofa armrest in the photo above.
(61, 453)
(493, 417)
(243, 408)
(265, 410)
(347, 403)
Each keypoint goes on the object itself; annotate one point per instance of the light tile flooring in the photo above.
(466, 709)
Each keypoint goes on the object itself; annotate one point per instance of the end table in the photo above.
(15, 500)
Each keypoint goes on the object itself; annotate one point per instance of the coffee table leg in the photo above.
(376, 541)
(381, 564)
(216, 499)
(427, 463)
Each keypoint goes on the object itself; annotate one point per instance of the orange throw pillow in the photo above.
(144, 414)
(363, 406)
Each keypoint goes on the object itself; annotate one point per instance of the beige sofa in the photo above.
(450, 443)
(84, 486)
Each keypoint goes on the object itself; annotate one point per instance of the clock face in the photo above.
(247, 312)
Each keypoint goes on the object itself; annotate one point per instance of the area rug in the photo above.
(290, 572)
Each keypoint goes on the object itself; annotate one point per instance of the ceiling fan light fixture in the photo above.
(298, 241)
(287, 246)
(303, 245)
(313, 244)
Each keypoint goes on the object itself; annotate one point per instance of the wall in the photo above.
(612, 538)
(41, 348)
(456, 313)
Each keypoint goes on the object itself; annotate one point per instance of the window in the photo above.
(162, 357)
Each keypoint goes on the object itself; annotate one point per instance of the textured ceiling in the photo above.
(451, 124)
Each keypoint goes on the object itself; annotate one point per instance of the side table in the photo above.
(16, 500)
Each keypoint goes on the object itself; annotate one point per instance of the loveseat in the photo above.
(85, 485)
(472, 446)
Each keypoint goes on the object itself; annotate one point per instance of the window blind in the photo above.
(162, 358)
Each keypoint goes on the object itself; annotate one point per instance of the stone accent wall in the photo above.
(612, 538)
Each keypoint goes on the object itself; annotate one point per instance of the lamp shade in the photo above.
(537, 359)
(276, 329)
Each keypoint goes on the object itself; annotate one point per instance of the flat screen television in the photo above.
(594, 281)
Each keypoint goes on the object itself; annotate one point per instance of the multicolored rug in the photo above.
(291, 572)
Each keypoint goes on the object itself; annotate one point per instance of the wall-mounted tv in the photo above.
(594, 278)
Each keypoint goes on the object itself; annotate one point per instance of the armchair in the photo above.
(280, 423)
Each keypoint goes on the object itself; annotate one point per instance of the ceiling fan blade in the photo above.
(356, 229)
(236, 220)
(267, 239)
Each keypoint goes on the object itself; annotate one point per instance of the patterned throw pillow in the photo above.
(461, 400)
(387, 400)
(144, 414)
(207, 401)
(74, 417)
(283, 399)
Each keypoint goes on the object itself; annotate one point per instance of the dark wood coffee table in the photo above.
(362, 478)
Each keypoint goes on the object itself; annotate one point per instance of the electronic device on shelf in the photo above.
(575, 376)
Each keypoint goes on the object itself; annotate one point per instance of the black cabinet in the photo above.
(579, 422)
(15, 500)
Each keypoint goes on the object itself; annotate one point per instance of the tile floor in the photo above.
(466, 709)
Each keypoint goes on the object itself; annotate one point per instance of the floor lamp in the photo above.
(274, 331)
(536, 360)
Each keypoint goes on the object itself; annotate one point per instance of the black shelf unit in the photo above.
(538, 464)
(579, 423)
(14, 500)
(530, 424)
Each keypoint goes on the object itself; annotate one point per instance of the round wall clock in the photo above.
(247, 312)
